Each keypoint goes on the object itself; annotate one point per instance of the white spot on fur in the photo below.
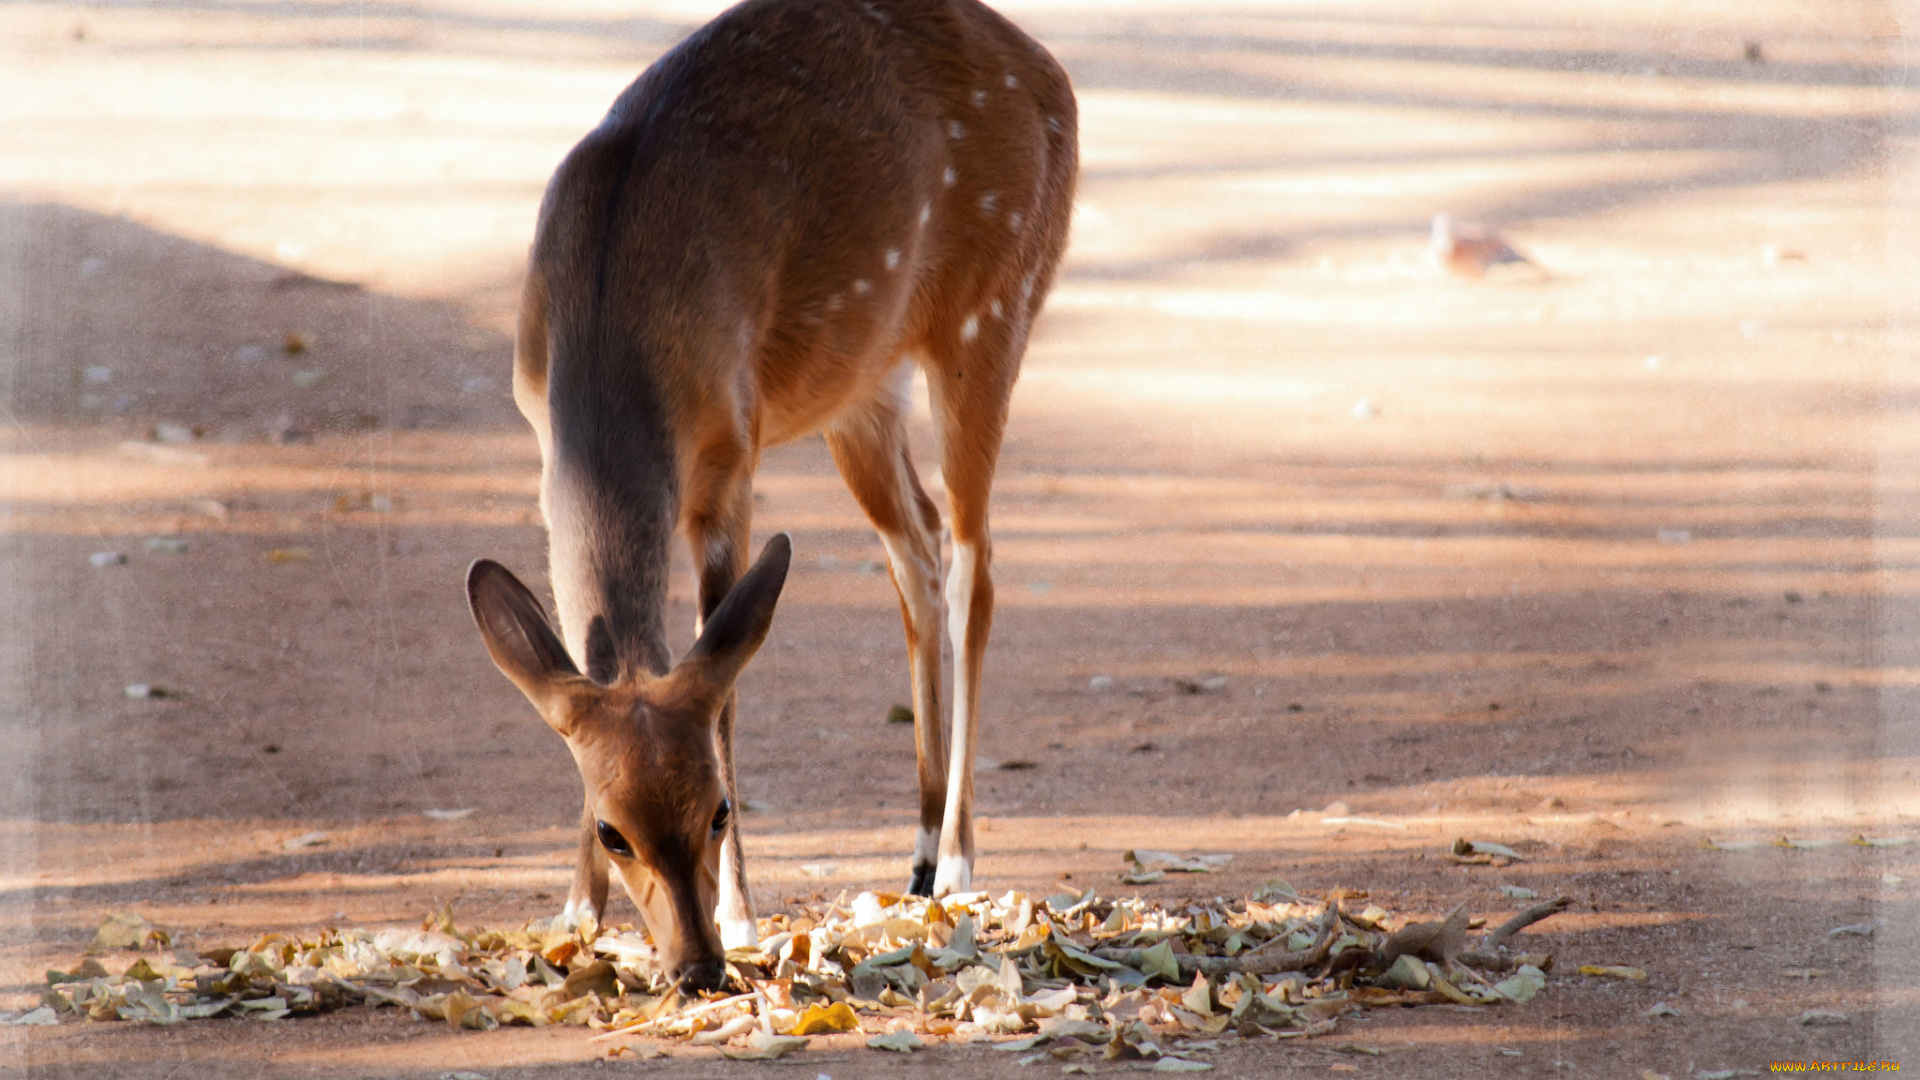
(893, 256)
(1016, 220)
(949, 178)
(926, 209)
(862, 287)
(970, 329)
(1009, 80)
(1026, 287)
(994, 308)
(979, 99)
(1053, 124)
(988, 202)
(836, 302)
(898, 382)
(955, 130)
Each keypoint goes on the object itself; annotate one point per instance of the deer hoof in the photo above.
(921, 884)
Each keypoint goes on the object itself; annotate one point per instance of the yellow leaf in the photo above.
(1611, 972)
(826, 1021)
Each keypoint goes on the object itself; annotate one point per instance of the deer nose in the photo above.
(705, 975)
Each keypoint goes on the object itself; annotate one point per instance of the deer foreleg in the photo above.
(720, 549)
(587, 896)
(969, 616)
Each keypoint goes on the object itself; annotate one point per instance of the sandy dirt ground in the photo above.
(1602, 564)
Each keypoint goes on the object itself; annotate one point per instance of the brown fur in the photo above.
(741, 254)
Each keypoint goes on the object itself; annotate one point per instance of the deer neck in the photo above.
(612, 504)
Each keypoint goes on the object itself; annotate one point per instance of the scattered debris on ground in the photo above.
(1065, 977)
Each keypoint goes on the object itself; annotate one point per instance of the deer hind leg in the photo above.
(870, 447)
(719, 534)
(970, 387)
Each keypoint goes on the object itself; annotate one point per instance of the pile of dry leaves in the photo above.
(1077, 975)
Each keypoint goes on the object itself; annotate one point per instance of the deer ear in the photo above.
(519, 638)
(736, 628)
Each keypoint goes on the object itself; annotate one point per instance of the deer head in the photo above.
(646, 748)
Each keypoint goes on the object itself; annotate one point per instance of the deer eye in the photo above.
(722, 816)
(611, 839)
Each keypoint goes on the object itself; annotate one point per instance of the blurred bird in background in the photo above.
(1468, 249)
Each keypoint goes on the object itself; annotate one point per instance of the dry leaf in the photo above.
(1612, 972)
(1464, 847)
(126, 930)
(762, 1046)
(829, 1020)
(903, 1041)
(1144, 860)
(1523, 984)
(1406, 973)
(1864, 929)
(739, 1025)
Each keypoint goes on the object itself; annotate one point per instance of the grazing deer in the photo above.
(771, 229)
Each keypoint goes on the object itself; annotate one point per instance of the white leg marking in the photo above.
(737, 933)
(926, 847)
(955, 872)
(737, 929)
(574, 916)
